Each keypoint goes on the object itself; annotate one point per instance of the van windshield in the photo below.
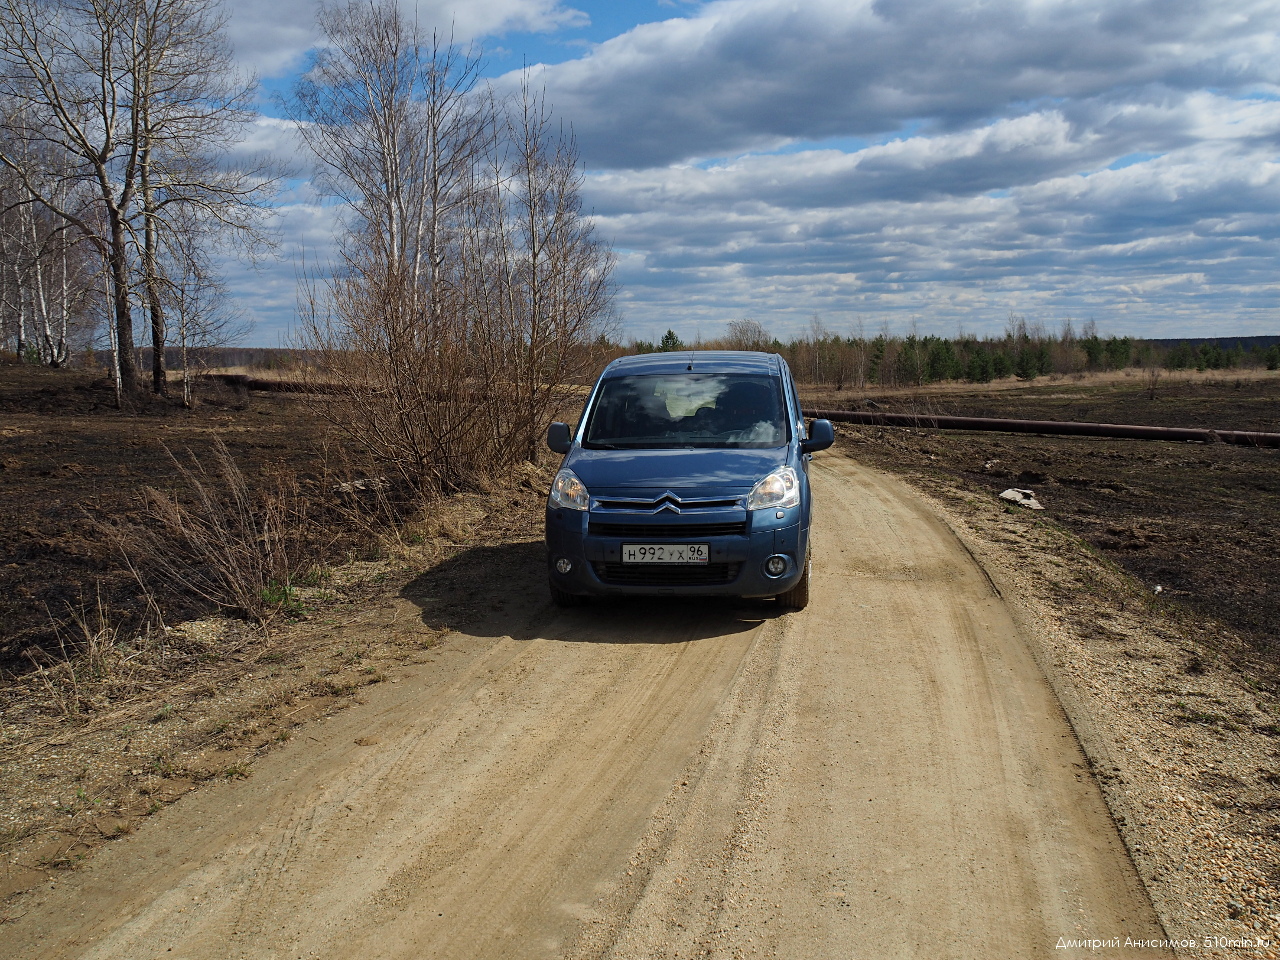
(687, 410)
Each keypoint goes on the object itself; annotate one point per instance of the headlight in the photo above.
(779, 489)
(569, 492)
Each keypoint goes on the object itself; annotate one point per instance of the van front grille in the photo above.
(668, 500)
(666, 531)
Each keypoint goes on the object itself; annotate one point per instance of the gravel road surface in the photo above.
(885, 774)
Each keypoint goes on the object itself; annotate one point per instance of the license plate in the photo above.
(666, 552)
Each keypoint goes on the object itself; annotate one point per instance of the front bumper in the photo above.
(736, 566)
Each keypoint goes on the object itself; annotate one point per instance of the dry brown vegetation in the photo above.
(156, 515)
(471, 289)
(107, 718)
(126, 682)
(1195, 519)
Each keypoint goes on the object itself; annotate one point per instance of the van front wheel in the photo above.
(797, 598)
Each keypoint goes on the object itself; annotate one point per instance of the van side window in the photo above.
(793, 403)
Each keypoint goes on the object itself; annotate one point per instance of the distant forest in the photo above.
(1023, 351)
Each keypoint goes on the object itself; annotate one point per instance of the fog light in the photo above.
(564, 565)
(775, 566)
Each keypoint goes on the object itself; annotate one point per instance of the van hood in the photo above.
(680, 469)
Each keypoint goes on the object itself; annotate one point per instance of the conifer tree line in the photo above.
(1024, 350)
(118, 186)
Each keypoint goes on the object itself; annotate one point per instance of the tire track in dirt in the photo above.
(907, 785)
(482, 800)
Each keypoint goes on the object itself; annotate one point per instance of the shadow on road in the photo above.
(500, 590)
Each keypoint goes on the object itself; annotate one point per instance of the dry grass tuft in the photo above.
(232, 546)
(94, 664)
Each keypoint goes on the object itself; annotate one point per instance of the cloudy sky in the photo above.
(936, 162)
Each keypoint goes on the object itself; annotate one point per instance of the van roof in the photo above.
(699, 361)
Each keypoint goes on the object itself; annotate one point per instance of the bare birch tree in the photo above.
(196, 299)
(129, 95)
(391, 119)
(62, 63)
(43, 277)
(191, 98)
(393, 127)
(469, 281)
(747, 335)
(556, 272)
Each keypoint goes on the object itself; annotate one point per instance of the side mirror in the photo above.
(821, 436)
(559, 439)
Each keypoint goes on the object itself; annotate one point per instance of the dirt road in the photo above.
(886, 774)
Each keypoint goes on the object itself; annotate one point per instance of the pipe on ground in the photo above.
(1055, 427)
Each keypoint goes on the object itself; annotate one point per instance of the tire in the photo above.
(562, 598)
(797, 598)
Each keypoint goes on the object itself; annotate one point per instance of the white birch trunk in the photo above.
(114, 340)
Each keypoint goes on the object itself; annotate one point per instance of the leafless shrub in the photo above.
(746, 334)
(1151, 376)
(219, 540)
(471, 287)
(367, 514)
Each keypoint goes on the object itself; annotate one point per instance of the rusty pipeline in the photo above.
(1054, 427)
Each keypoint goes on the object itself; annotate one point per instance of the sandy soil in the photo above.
(885, 774)
(1175, 711)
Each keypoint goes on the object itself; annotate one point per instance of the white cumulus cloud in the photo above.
(747, 74)
(273, 38)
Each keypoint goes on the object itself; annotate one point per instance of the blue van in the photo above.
(687, 475)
